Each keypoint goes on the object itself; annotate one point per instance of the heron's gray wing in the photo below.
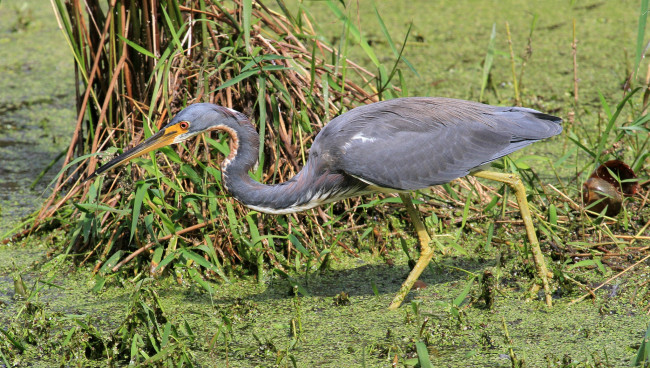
(414, 143)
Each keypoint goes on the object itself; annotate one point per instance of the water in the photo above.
(36, 105)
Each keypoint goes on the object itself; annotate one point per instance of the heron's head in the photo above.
(192, 120)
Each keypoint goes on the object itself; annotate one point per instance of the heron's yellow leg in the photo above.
(426, 252)
(515, 183)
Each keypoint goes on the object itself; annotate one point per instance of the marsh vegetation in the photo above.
(155, 265)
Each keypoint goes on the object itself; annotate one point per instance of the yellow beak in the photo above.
(164, 137)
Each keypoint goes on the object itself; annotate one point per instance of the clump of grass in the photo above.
(147, 336)
(140, 68)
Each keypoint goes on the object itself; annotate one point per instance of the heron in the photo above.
(394, 146)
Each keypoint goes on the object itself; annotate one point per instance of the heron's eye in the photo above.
(184, 125)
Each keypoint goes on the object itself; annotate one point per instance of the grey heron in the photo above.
(393, 146)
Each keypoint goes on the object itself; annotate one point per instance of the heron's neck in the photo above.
(305, 190)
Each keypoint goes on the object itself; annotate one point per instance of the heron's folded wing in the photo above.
(409, 144)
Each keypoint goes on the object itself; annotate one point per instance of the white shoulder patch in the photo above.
(359, 138)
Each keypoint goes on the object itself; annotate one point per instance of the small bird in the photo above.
(393, 146)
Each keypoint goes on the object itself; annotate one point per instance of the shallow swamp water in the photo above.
(343, 320)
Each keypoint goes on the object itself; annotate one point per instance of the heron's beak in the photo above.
(164, 137)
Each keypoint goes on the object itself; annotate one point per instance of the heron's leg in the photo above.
(515, 183)
(426, 252)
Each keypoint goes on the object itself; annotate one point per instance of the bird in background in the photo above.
(393, 146)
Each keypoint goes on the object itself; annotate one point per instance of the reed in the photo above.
(136, 67)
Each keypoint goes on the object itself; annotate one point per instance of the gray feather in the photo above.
(414, 143)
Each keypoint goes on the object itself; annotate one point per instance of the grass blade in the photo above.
(137, 205)
(643, 354)
(137, 47)
(296, 243)
(397, 53)
(423, 355)
(612, 120)
(640, 37)
(489, 59)
(354, 31)
(246, 15)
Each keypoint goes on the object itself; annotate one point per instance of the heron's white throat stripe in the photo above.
(234, 144)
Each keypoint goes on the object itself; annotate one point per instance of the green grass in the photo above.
(246, 289)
